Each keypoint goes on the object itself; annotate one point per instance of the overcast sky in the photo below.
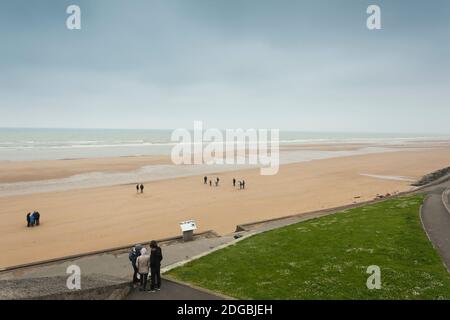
(298, 65)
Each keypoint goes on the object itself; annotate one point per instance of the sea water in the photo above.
(47, 144)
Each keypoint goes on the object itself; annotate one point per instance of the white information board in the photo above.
(188, 225)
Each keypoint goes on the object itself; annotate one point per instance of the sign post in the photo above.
(188, 227)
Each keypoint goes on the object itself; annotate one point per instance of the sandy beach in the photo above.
(15, 171)
(84, 220)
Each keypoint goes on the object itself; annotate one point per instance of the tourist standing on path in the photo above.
(29, 219)
(205, 179)
(143, 265)
(134, 254)
(155, 266)
(142, 188)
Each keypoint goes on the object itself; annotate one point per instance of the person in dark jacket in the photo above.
(205, 179)
(234, 182)
(37, 216)
(134, 254)
(137, 188)
(32, 220)
(29, 219)
(155, 266)
(142, 188)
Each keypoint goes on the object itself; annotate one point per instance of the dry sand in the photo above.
(80, 221)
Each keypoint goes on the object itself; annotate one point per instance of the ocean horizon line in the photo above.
(281, 130)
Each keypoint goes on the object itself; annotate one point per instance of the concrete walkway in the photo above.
(173, 291)
(116, 263)
(436, 221)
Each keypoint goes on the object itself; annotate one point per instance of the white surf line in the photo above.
(397, 178)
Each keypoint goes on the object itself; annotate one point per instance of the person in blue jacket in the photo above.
(32, 220)
(134, 254)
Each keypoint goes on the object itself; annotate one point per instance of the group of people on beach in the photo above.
(33, 219)
(216, 182)
(240, 183)
(140, 187)
(144, 263)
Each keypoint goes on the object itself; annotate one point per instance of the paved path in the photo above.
(173, 291)
(116, 263)
(436, 220)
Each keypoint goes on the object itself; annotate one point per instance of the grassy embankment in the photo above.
(327, 258)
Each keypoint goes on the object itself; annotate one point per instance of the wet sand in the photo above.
(17, 171)
(84, 220)
(20, 171)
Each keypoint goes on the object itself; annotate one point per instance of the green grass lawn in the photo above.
(327, 258)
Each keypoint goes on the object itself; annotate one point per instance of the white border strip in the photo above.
(445, 196)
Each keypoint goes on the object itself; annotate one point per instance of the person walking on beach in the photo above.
(37, 216)
(205, 179)
(137, 188)
(210, 183)
(155, 266)
(29, 219)
(32, 220)
(217, 181)
(243, 184)
(143, 266)
(234, 182)
(142, 188)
